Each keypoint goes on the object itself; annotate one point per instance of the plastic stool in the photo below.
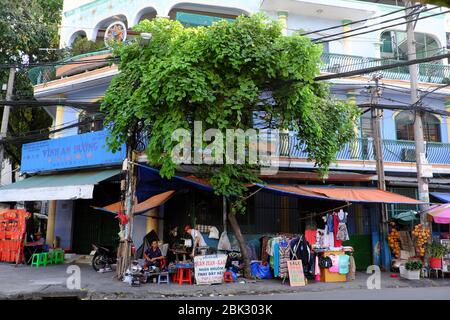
(39, 259)
(184, 275)
(58, 256)
(228, 276)
(166, 277)
(51, 257)
(35, 261)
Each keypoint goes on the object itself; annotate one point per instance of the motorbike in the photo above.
(104, 257)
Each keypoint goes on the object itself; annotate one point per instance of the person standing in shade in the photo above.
(198, 239)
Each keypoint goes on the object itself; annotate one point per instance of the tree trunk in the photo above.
(240, 238)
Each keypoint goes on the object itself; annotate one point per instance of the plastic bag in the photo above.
(213, 233)
(261, 271)
(224, 242)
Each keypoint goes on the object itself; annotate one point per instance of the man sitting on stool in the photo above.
(199, 241)
(153, 256)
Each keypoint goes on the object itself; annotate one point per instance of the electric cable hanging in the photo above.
(357, 21)
(372, 25)
(384, 27)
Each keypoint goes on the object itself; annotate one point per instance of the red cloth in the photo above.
(337, 243)
(310, 236)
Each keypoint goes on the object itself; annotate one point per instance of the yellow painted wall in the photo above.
(347, 42)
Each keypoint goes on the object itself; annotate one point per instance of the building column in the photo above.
(447, 107)
(50, 237)
(347, 42)
(283, 19)
(354, 148)
(59, 120)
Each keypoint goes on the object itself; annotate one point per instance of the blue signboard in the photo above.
(83, 150)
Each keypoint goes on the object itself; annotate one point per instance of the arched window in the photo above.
(404, 126)
(394, 45)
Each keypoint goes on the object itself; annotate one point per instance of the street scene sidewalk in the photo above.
(276, 139)
(24, 282)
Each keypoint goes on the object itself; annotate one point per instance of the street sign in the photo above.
(82, 150)
(209, 269)
(296, 276)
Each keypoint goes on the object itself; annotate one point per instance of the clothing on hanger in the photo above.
(337, 242)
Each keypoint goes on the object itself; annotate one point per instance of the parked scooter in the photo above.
(104, 257)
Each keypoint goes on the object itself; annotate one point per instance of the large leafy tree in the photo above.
(27, 27)
(220, 75)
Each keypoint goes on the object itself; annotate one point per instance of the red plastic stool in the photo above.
(228, 276)
(184, 275)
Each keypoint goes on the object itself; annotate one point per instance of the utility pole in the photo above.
(421, 161)
(377, 115)
(5, 117)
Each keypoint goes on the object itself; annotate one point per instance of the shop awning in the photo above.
(140, 208)
(60, 186)
(440, 213)
(348, 194)
(442, 196)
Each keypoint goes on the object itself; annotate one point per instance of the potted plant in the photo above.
(412, 270)
(435, 252)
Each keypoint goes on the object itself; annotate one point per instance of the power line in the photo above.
(401, 107)
(372, 25)
(37, 137)
(57, 63)
(384, 27)
(51, 103)
(354, 22)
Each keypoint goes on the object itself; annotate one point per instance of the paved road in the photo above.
(27, 282)
(436, 293)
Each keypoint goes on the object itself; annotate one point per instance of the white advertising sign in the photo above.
(209, 269)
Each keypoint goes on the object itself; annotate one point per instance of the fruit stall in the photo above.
(416, 250)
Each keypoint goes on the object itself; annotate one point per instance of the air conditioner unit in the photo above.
(408, 155)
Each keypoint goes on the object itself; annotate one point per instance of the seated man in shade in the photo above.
(153, 256)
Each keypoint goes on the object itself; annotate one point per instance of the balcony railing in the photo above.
(45, 74)
(363, 149)
(332, 63)
(428, 72)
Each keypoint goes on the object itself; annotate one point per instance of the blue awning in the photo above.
(442, 196)
(151, 183)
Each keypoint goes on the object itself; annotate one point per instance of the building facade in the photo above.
(355, 165)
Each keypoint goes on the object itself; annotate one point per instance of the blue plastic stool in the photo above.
(166, 278)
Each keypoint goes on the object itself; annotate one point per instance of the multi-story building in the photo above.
(355, 165)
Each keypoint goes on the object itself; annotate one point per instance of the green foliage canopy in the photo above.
(218, 75)
(27, 26)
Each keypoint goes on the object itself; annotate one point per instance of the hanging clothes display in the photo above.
(342, 233)
(329, 222)
(337, 242)
(334, 263)
(276, 258)
(344, 263)
(284, 255)
(352, 271)
(320, 238)
(310, 236)
(264, 255)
